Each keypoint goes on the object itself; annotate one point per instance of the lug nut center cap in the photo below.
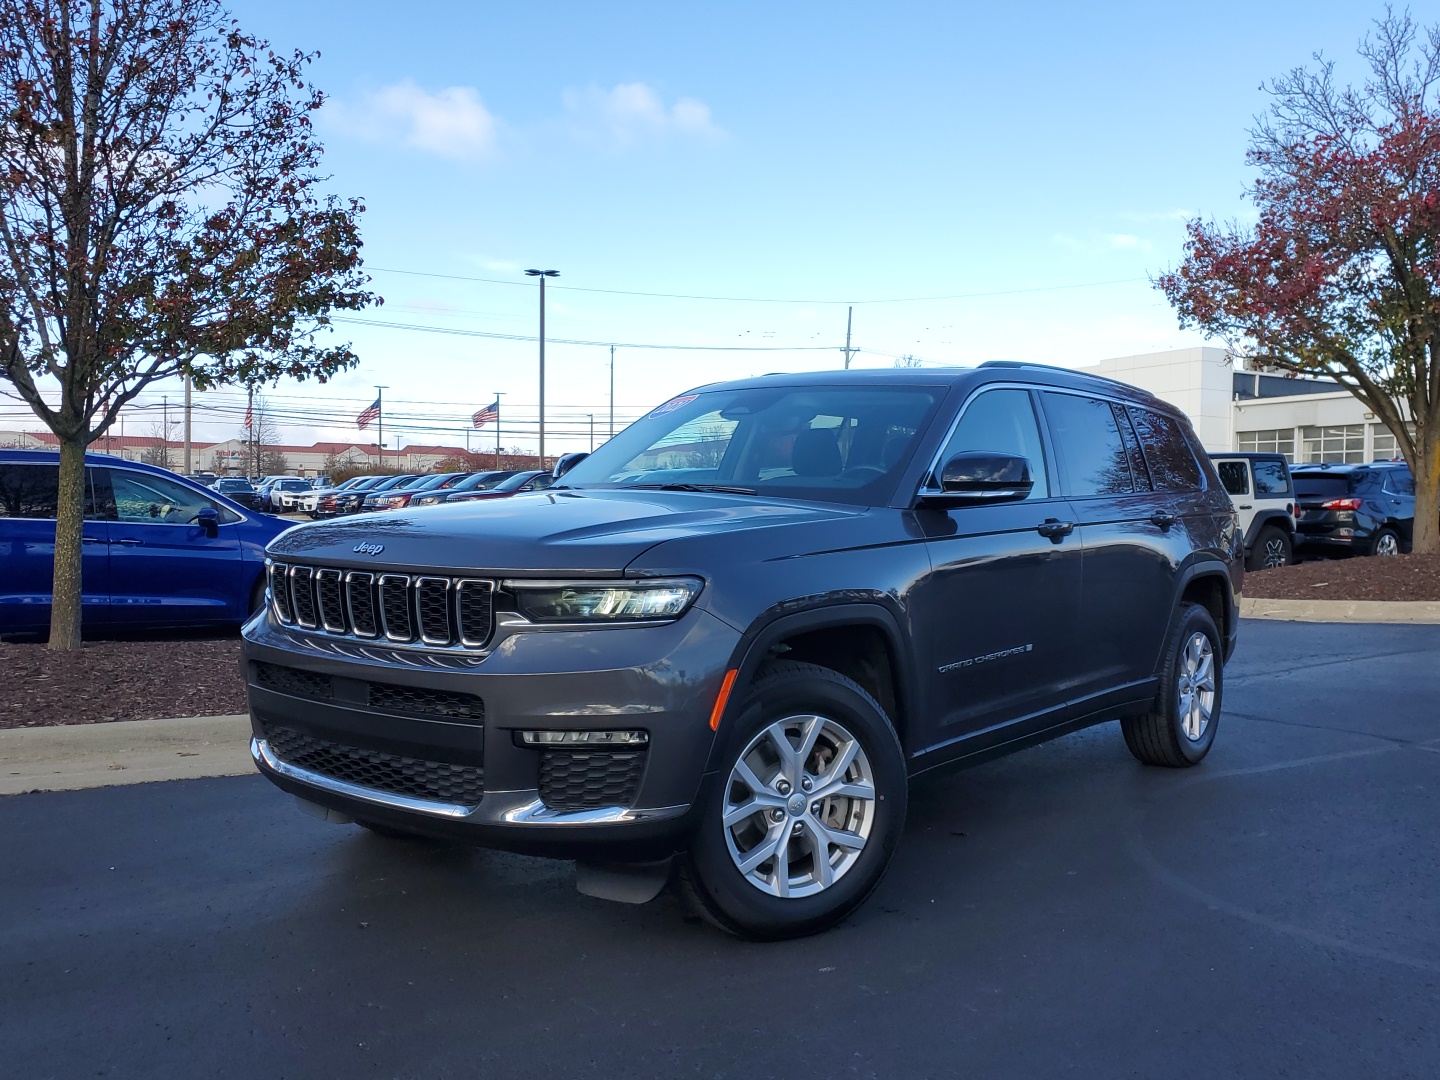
(796, 805)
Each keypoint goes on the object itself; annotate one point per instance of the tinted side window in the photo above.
(154, 500)
(1089, 446)
(1172, 464)
(1236, 477)
(1400, 483)
(1138, 468)
(1271, 478)
(1002, 421)
(29, 491)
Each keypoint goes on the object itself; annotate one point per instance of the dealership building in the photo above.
(1307, 420)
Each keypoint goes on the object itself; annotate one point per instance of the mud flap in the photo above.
(625, 883)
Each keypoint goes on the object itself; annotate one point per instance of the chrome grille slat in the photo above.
(302, 596)
(360, 601)
(330, 599)
(433, 611)
(396, 611)
(432, 604)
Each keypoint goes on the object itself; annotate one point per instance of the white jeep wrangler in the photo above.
(1260, 487)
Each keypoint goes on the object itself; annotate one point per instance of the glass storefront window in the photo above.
(1336, 444)
(1268, 441)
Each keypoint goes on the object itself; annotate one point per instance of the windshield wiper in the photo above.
(724, 489)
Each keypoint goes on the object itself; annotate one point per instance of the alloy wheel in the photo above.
(1275, 554)
(799, 806)
(1196, 688)
(1388, 544)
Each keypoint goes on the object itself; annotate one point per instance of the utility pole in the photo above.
(380, 417)
(849, 317)
(498, 396)
(186, 470)
(612, 392)
(592, 431)
(165, 432)
(542, 275)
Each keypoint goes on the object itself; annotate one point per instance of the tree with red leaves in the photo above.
(1340, 276)
(160, 215)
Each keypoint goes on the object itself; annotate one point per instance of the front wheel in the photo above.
(807, 811)
(1271, 550)
(1179, 729)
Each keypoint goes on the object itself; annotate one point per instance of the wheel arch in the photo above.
(1207, 583)
(862, 641)
(1278, 518)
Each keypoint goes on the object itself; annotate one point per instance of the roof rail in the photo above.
(1030, 366)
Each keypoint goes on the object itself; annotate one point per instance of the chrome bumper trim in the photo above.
(261, 752)
(518, 808)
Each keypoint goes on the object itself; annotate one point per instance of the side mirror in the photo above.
(208, 519)
(565, 463)
(980, 476)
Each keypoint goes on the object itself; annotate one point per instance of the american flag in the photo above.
(373, 412)
(488, 413)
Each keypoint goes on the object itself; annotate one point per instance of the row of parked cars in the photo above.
(292, 494)
(1289, 512)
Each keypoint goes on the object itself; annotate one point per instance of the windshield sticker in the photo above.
(673, 404)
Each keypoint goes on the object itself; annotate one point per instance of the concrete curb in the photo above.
(123, 752)
(1358, 611)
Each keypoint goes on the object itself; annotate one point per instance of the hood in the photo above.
(593, 532)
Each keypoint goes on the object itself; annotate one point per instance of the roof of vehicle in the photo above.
(92, 458)
(1040, 374)
(1252, 455)
(1345, 468)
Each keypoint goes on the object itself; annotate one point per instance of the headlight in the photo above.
(604, 601)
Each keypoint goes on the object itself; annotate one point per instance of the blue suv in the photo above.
(1356, 509)
(160, 551)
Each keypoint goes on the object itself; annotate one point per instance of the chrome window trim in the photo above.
(1051, 480)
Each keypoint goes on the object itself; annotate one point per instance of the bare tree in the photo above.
(165, 435)
(907, 361)
(160, 216)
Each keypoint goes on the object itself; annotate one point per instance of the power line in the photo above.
(573, 341)
(767, 299)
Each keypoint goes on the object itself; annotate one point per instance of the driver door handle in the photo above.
(128, 542)
(1163, 518)
(1055, 529)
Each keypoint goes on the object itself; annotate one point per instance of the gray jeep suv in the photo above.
(717, 650)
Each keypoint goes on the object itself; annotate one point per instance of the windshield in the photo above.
(828, 443)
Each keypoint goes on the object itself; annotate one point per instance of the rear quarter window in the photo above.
(1271, 478)
(1172, 463)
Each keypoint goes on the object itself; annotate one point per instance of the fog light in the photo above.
(584, 738)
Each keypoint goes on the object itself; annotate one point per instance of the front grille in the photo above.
(435, 781)
(415, 699)
(590, 779)
(292, 681)
(430, 610)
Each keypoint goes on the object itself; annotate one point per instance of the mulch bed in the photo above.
(119, 680)
(1403, 577)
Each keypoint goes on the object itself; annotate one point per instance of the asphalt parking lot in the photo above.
(1064, 911)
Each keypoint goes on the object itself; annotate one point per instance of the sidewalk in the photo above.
(124, 752)
(1357, 611)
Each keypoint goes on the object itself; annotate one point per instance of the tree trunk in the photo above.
(66, 592)
(1427, 495)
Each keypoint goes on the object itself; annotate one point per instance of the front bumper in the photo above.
(493, 791)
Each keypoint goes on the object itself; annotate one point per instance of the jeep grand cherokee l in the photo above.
(718, 648)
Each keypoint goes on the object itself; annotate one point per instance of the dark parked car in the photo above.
(325, 497)
(515, 484)
(733, 633)
(1359, 509)
(474, 482)
(160, 551)
(238, 489)
(399, 496)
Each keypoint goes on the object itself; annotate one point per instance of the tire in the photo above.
(1169, 734)
(843, 723)
(1386, 543)
(1271, 550)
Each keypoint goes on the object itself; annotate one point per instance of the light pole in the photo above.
(542, 275)
(380, 417)
(592, 431)
(612, 392)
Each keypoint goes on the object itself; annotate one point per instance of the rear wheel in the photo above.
(1271, 550)
(1179, 730)
(1386, 542)
(808, 808)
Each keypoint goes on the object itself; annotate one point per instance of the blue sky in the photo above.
(1034, 161)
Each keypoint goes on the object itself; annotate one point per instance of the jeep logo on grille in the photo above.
(369, 549)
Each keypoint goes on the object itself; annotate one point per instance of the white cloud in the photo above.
(1127, 240)
(452, 122)
(629, 112)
